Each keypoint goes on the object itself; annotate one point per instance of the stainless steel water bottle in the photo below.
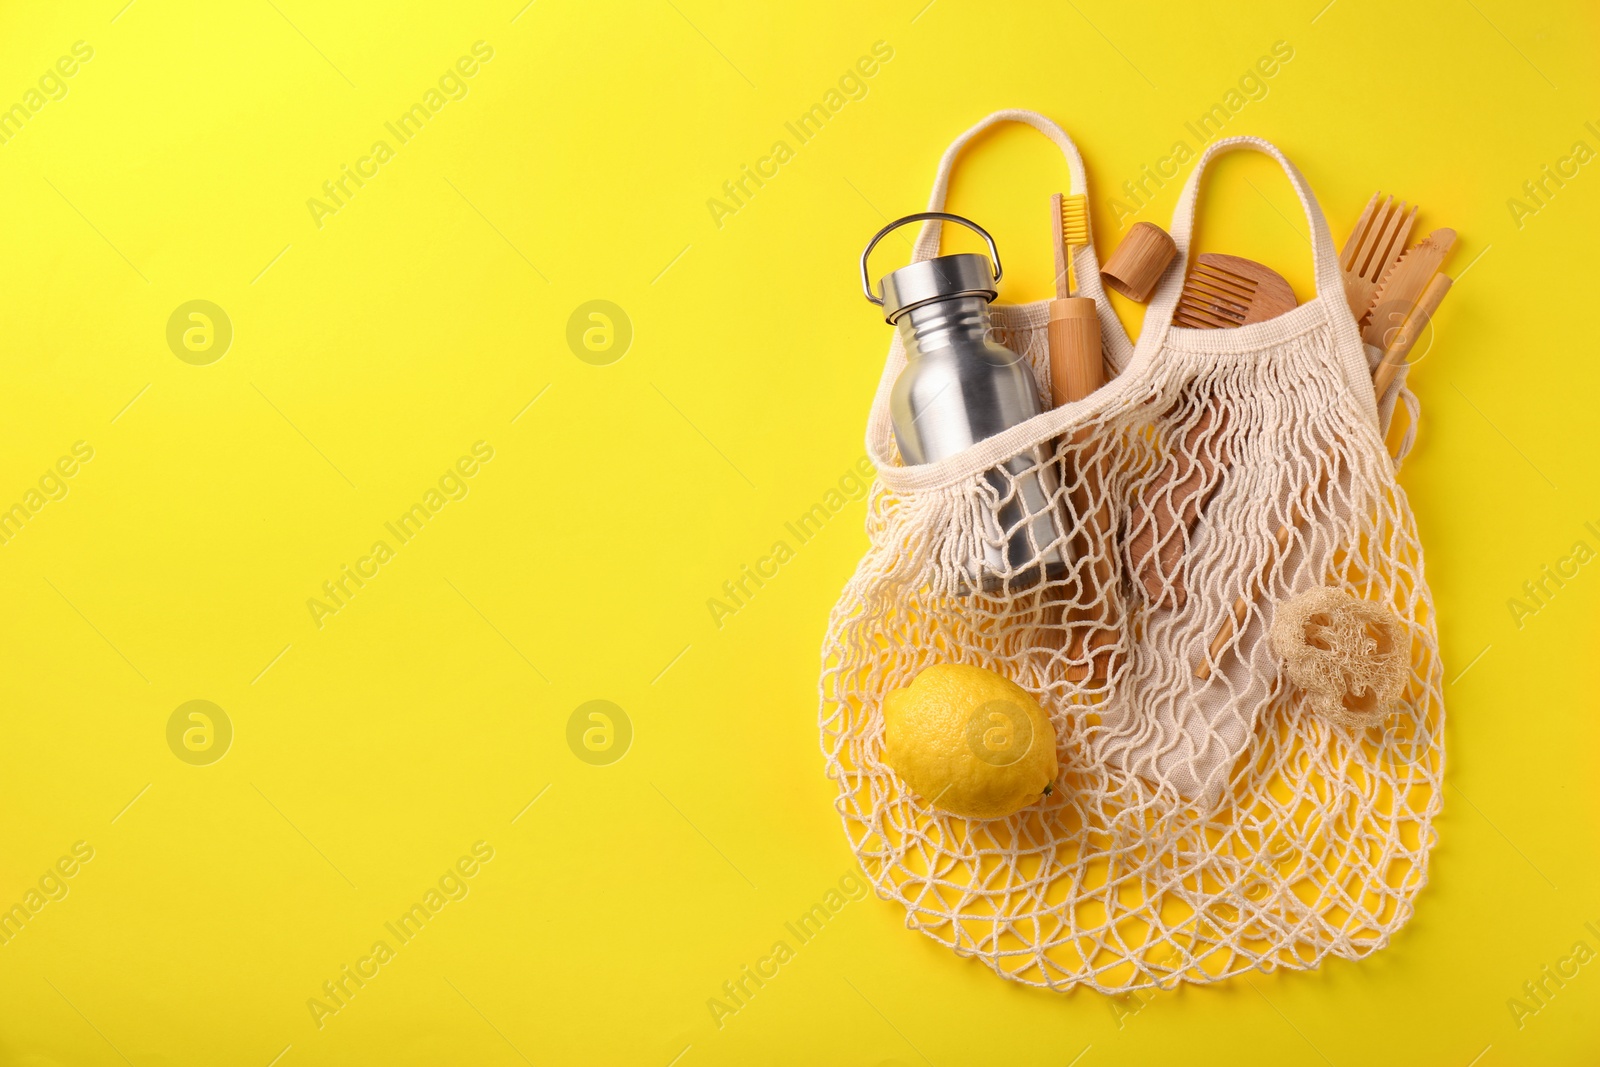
(960, 387)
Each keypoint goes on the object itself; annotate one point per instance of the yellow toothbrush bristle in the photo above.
(1075, 221)
(1074, 212)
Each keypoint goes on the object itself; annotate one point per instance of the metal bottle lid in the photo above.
(939, 278)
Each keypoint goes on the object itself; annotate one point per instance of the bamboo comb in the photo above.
(1223, 291)
(1220, 292)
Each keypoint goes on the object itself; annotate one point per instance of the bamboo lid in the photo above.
(1139, 261)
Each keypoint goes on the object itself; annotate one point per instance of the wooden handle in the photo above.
(1059, 245)
(1241, 608)
(1395, 356)
(1076, 365)
(1170, 505)
(1139, 261)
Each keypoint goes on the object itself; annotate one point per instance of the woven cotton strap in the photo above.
(1325, 260)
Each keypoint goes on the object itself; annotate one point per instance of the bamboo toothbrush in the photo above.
(1074, 331)
(1076, 370)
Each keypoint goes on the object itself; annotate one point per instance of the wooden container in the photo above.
(1139, 261)
(1076, 369)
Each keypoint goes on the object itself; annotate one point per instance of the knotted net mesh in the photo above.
(1206, 819)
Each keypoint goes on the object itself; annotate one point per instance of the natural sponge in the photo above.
(1350, 656)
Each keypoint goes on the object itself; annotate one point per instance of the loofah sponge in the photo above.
(1350, 656)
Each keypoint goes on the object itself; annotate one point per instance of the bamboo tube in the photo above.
(1077, 369)
(1139, 261)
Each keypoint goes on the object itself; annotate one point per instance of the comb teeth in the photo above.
(1213, 298)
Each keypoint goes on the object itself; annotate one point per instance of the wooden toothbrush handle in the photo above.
(1168, 507)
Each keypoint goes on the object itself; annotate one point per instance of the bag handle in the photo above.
(1325, 259)
(1086, 265)
(928, 240)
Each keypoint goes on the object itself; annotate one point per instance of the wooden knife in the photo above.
(1403, 285)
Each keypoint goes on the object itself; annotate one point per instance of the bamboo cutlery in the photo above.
(1393, 291)
(1373, 248)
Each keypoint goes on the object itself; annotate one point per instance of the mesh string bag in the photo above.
(1206, 818)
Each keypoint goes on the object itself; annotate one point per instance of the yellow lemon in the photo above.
(969, 742)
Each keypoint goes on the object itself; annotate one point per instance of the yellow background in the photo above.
(368, 354)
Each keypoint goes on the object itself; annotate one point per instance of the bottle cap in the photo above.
(939, 278)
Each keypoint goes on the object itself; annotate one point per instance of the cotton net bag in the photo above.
(1209, 816)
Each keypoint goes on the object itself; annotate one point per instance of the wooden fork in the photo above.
(1374, 245)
